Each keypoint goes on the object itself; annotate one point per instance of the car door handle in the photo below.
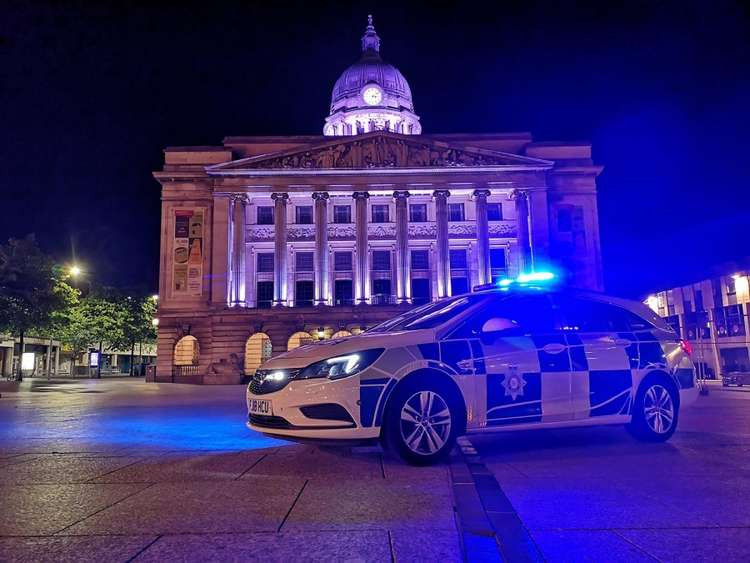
(622, 342)
(553, 348)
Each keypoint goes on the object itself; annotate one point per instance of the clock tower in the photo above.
(371, 95)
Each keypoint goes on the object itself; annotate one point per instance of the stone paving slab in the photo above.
(372, 504)
(316, 463)
(62, 469)
(693, 544)
(426, 545)
(46, 509)
(64, 549)
(590, 546)
(324, 546)
(193, 466)
(257, 504)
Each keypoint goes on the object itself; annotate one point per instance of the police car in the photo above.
(518, 356)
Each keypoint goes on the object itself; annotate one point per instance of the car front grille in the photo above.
(260, 385)
(268, 421)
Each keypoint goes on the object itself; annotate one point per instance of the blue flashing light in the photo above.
(525, 279)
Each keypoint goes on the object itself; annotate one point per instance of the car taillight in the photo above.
(686, 347)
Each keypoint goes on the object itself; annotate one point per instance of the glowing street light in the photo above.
(75, 270)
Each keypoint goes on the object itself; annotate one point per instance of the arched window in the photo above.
(341, 334)
(257, 351)
(186, 351)
(299, 339)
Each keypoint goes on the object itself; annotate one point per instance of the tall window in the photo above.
(265, 294)
(420, 291)
(303, 214)
(304, 293)
(380, 214)
(458, 259)
(497, 258)
(381, 292)
(494, 212)
(456, 212)
(564, 219)
(265, 262)
(459, 286)
(304, 261)
(342, 292)
(731, 286)
(381, 260)
(342, 213)
(420, 259)
(342, 261)
(418, 212)
(264, 215)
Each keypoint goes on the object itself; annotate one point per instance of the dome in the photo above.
(371, 95)
(371, 70)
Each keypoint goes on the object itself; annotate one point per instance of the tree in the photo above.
(136, 318)
(32, 289)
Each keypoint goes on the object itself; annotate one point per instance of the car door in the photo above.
(600, 355)
(520, 359)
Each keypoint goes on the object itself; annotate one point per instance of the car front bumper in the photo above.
(298, 411)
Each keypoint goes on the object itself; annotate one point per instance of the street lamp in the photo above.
(75, 270)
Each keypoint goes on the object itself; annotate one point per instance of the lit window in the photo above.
(458, 259)
(381, 260)
(494, 212)
(420, 259)
(265, 215)
(456, 212)
(380, 214)
(418, 212)
(342, 261)
(304, 261)
(342, 214)
(303, 214)
(265, 261)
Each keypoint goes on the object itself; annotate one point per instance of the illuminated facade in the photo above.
(712, 315)
(268, 242)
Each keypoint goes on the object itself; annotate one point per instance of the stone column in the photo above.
(522, 217)
(221, 243)
(237, 280)
(402, 247)
(361, 278)
(443, 255)
(280, 250)
(322, 290)
(484, 272)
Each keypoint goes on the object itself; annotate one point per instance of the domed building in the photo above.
(270, 242)
(371, 95)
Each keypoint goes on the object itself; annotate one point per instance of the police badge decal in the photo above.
(514, 384)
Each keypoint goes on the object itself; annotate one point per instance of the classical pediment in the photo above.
(380, 149)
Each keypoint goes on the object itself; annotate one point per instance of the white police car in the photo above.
(514, 357)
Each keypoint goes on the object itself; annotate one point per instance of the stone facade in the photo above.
(283, 235)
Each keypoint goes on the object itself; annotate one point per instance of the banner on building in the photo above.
(187, 274)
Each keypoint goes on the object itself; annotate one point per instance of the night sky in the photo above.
(90, 93)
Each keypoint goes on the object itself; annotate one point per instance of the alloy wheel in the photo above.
(425, 422)
(658, 409)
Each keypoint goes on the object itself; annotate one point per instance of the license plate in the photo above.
(261, 406)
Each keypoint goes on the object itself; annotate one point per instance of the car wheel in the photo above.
(421, 423)
(655, 411)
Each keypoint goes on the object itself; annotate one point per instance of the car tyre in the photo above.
(421, 422)
(655, 410)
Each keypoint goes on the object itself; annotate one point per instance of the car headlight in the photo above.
(341, 366)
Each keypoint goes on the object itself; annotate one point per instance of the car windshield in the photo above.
(430, 315)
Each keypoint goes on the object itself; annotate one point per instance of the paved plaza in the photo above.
(122, 470)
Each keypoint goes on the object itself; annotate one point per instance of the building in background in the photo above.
(271, 242)
(712, 314)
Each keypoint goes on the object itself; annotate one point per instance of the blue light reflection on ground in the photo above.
(196, 427)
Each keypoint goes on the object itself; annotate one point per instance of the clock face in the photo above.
(372, 95)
